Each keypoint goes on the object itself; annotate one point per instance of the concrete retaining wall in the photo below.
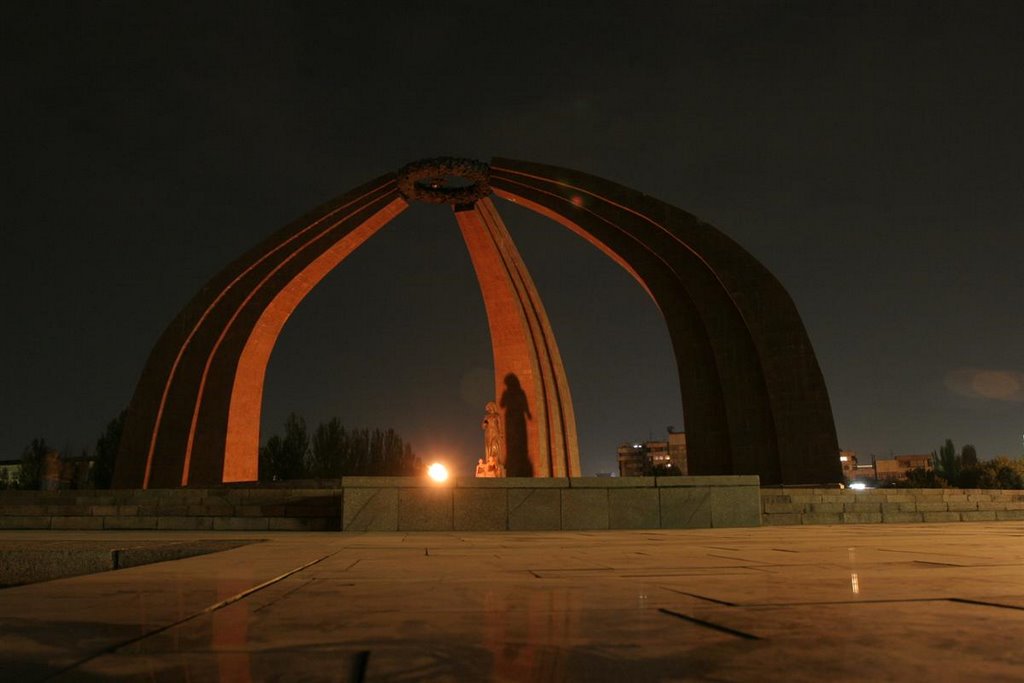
(901, 506)
(403, 504)
(411, 504)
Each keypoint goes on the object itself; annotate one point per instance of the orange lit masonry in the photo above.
(753, 395)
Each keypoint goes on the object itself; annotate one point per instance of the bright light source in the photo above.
(843, 458)
(438, 472)
(858, 486)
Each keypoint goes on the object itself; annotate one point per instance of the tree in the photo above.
(1009, 474)
(285, 458)
(357, 460)
(106, 452)
(969, 456)
(947, 463)
(922, 478)
(328, 449)
(336, 452)
(396, 458)
(998, 473)
(33, 459)
(376, 463)
(270, 456)
(411, 463)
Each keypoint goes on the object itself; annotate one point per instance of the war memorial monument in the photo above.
(614, 591)
(753, 394)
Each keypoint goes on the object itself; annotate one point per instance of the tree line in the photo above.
(333, 451)
(964, 470)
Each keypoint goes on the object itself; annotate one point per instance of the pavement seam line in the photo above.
(709, 624)
(206, 610)
(701, 597)
(983, 603)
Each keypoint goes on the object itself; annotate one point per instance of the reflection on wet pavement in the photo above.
(752, 604)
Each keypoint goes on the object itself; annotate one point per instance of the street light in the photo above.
(438, 472)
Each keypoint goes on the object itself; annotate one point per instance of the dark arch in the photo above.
(752, 391)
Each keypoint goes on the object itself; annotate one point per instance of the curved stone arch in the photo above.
(194, 417)
(753, 395)
(724, 311)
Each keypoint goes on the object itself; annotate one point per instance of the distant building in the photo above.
(55, 473)
(677, 450)
(855, 472)
(77, 472)
(650, 458)
(848, 461)
(897, 468)
(633, 461)
(9, 472)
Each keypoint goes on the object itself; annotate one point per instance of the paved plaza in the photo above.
(936, 602)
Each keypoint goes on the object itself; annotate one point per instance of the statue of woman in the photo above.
(494, 439)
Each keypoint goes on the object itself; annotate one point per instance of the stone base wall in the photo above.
(898, 506)
(227, 509)
(406, 504)
(411, 504)
(403, 504)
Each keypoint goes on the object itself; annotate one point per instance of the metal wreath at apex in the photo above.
(753, 394)
(424, 181)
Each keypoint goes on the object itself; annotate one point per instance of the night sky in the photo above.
(871, 155)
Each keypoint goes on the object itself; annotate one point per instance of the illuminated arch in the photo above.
(753, 395)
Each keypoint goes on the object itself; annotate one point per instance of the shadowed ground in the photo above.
(929, 602)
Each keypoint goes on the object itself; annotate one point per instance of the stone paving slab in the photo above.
(937, 602)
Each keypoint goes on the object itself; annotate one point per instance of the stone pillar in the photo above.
(531, 388)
